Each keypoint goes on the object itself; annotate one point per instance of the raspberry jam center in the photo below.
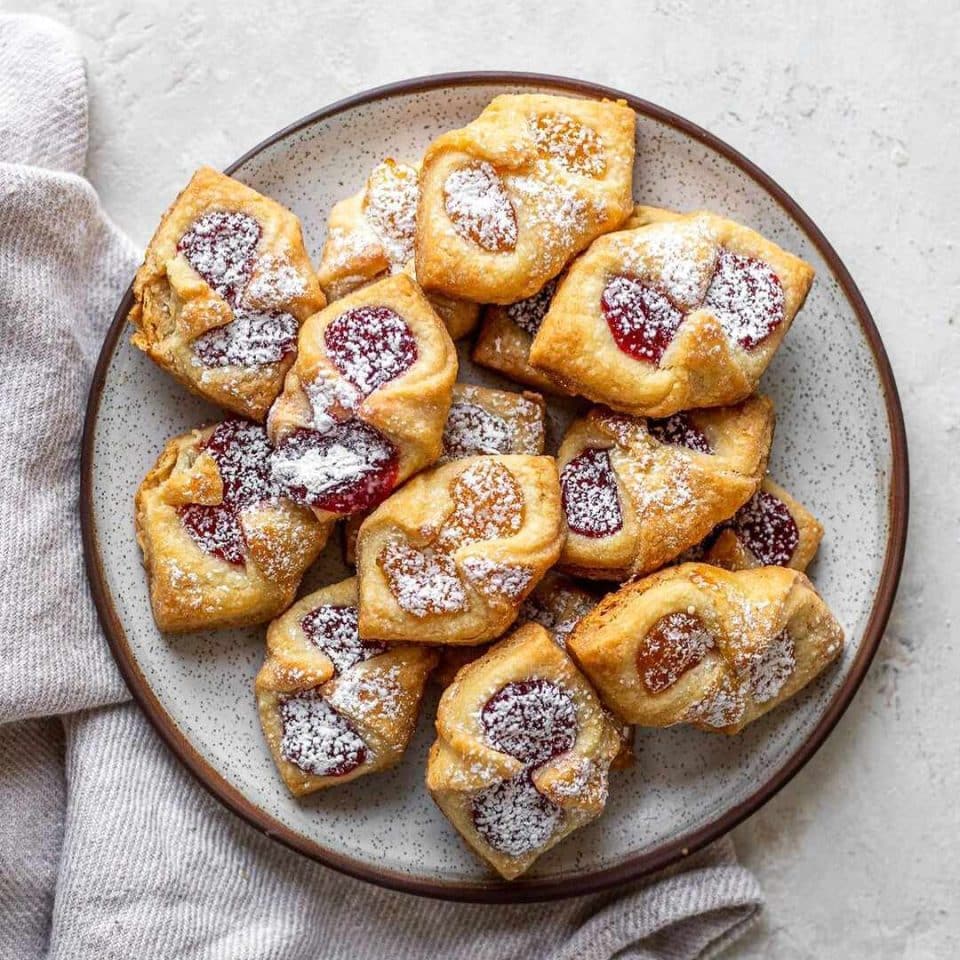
(513, 817)
(221, 246)
(370, 346)
(318, 739)
(746, 296)
(641, 317)
(675, 644)
(477, 203)
(680, 431)
(333, 629)
(532, 720)
(348, 468)
(767, 529)
(589, 494)
(241, 451)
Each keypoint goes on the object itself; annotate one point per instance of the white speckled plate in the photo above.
(840, 447)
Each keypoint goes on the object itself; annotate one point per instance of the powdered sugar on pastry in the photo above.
(479, 207)
(422, 581)
(317, 739)
(471, 430)
(390, 207)
(514, 818)
(502, 580)
(769, 669)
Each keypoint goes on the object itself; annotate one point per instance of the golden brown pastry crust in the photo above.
(669, 496)
(731, 549)
(370, 235)
(450, 557)
(676, 255)
(409, 410)
(467, 773)
(192, 589)
(174, 305)
(531, 182)
(697, 644)
(375, 689)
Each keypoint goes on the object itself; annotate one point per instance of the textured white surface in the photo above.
(852, 108)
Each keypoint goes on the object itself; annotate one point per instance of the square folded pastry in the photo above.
(365, 404)
(506, 335)
(450, 557)
(523, 751)
(222, 545)
(771, 529)
(507, 200)
(481, 421)
(224, 287)
(334, 707)
(639, 492)
(684, 312)
(370, 235)
(700, 645)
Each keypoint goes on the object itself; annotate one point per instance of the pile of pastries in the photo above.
(649, 573)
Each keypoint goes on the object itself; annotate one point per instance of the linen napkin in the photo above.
(107, 847)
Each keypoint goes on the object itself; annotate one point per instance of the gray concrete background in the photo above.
(853, 108)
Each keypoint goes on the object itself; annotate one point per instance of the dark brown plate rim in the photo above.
(670, 852)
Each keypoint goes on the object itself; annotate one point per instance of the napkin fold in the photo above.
(107, 846)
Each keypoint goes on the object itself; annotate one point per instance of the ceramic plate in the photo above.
(839, 447)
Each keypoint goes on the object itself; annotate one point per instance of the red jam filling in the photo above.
(513, 817)
(528, 314)
(318, 739)
(590, 497)
(532, 720)
(333, 629)
(675, 644)
(680, 431)
(221, 246)
(346, 469)
(746, 296)
(767, 529)
(641, 317)
(241, 451)
(370, 346)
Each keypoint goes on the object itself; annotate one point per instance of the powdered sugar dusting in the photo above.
(591, 500)
(221, 246)
(250, 340)
(317, 739)
(275, 284)
(479, 207)
(497, 580)
(390, 207)
(365, 694)
(423, 581)
(723, 706)
(488, 505)
(769, 668)
(746, 296)
(577, 146)
(471, 430)
(370, 346)
(556, 607)
(514, 818)
(528, 314)
(532, 720)
(767, 528)
(642, 319)
(681, 431)
(333, 629)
